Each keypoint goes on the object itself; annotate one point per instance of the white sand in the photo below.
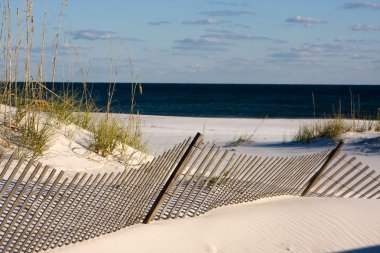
(270, 137)
(283, 224)
(70, 150)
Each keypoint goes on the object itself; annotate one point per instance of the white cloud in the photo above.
(306, 21)
(161, 22)
(230, 35)
(243, 4)
(365, 27)
(362, 5)
(90, 34)
(208, 21)
(200, 44)
(228, 13)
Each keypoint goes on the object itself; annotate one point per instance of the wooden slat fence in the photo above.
(41, 208)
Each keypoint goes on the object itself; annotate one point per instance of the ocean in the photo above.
(242, 100)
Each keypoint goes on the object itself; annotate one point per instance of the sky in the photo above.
(211, 41)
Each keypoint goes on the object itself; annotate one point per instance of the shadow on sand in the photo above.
(372, 249)
(365, 146)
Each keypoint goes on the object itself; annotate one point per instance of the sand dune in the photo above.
(282, 224)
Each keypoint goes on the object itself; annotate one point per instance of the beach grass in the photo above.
(32, 112)
(332, 128)
(239, 140)
(329, 128)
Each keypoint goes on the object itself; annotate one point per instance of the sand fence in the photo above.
(42, 208)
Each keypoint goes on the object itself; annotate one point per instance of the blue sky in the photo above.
(212, 41)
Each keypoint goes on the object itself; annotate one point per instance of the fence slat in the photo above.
(337, 181)
(9, 230)
(39, 209)
(20, 195)
(316, 177)
(365, 187)
(170, 181)
(205, 184)
(220, 178)
(93, 222)
(65, 206)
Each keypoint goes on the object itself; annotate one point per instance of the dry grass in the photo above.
(239, 140)
(106, 135)
(31, 112)
(109, 135)
(377, 126)
(36, 136)
(331, 129)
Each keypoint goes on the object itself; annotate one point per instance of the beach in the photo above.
(267, 137)
(212, 126)
(279, 224)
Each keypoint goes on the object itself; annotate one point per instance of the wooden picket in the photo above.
(42, 208)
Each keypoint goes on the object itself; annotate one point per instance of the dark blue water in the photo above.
(242, 100)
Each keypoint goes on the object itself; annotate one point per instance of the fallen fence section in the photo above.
(41, 208)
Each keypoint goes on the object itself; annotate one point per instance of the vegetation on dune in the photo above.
(329, 128)
(377, 126)
(334, 127)
(239, 140)
(32, 113)
(109, 134)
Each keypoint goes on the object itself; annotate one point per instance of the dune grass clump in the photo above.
(361, 126)
(334, 127)
(239, 140)
(306, 134)
(245, 138)
(377, 126)
(35, 135)
(67, 108)
(131, 134)
(108, 135)
(331, 129)
(62, 108)
(105, 136)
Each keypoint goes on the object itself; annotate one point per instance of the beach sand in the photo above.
(281, 224)
(269, 137)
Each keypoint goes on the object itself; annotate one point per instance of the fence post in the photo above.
(312, 182)
(169, 183)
